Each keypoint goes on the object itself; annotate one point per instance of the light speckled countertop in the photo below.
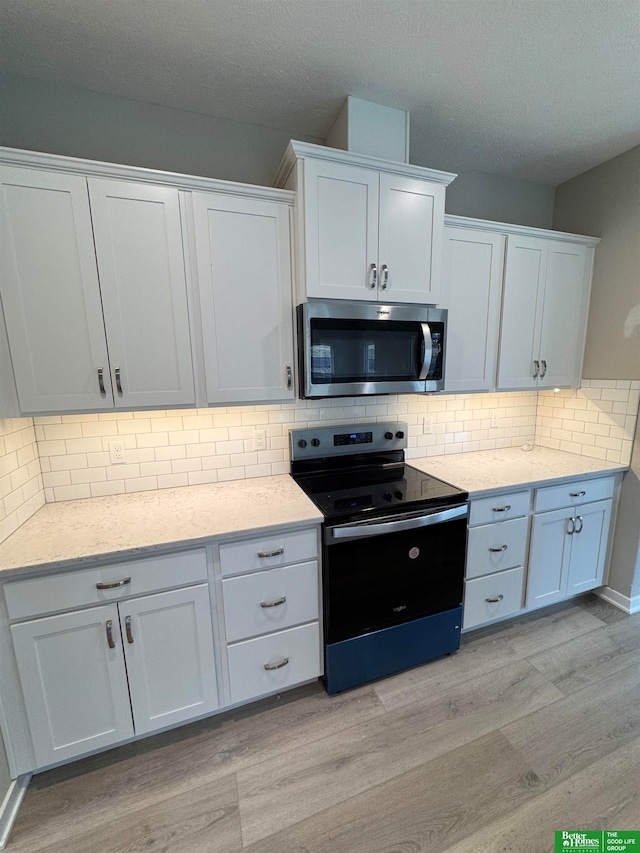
(76, 532)
(485, 471)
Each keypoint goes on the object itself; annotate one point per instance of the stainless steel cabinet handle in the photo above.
(384, 269)
(275, 603)
(279, 665)
(543, 372)
(289, 376)
(536, 368)
(495, 600)
(118, 380)
(504, 508)
(275, 553)
(113, 585)
(579, 529)
(109, 627)
(498, 550)
(103, 391)
(373, 277)
(127, 628)
(579, 494)
(571, 526)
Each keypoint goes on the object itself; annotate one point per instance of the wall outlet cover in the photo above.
(117, 452)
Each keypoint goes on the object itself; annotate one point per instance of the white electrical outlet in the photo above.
(494, 420)
(117, 452)
(259, 439)
(427, 425)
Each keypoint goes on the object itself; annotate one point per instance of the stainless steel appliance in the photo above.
(356, 348)
(394, 543)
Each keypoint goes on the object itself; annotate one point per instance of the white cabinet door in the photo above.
(74, 683)
(138, 239)
(341, 230)
(564, 314)
(471, 288)
(244, 278)
(524, 278)
(50, 293)
(168, 642)
(589, 547)
(549, 557)
(410, 239)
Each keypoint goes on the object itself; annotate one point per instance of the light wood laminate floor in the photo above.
(533, 726)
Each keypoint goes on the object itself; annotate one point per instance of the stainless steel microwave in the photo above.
(349, 349)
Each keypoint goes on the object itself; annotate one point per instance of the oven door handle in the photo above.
(427, 350)
(377, 528)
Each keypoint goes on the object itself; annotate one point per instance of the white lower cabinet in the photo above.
(97, 676)
(271, 615)
(492, 597)
(568, 552)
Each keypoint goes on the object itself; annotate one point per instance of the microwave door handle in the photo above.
(427, 350)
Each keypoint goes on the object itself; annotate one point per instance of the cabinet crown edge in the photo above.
(300, 150)
(141, 174)
(453, 221)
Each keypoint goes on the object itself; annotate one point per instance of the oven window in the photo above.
(344, 351)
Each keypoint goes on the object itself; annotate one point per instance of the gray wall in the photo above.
(5, 779)
(605, 202)
(624, 572)
(42, 116)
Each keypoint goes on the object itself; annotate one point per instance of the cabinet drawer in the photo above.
(300, 647)
(505, 586)
(72, 589)
(494, 547)
(499, 508)
(270, 601)
(575, 493)
(267, 552)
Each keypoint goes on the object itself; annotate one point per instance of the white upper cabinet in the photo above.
(244, 285)
(471, 288)
(367, 229)
(50, 293)
(138, 239)
(544, 313)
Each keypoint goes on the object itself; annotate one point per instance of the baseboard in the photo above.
(622, 602)
(11, 805)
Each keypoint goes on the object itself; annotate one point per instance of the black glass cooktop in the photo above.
(393, 488)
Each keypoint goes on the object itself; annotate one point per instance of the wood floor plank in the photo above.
(136, 776)
(601, 609)
(581, 728)
(199, 821)
(486, 652)
(583, 661)
(626, 632)
(296, 785)
(604, 795)
(421, 811)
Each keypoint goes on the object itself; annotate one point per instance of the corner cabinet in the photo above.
(94, 293)
(245, 291)
(367, 229)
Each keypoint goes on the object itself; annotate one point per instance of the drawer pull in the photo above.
(109, 627)
(495, 600)
(275, 553)
(577, 494)
(502, 508)
(127, 627)
(113, 585)
(275, 603)
(279, 665)
(498, 550)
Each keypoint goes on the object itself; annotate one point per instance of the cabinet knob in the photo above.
(571, 526)
(495, 600)
(109, 627)
(114, 584)
(289, 377)
(279, 665)
(504, 508)
(275, 603)
(103, 391)
(118, 380)
(579, 494)
(127, 628)
(275, 553)
(536, 368)
(543, 372)
(499, 550)
(579, 529)
(384, 269)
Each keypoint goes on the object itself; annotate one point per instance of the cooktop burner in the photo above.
(343, 481)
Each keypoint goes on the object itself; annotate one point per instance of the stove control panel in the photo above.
(346, 440)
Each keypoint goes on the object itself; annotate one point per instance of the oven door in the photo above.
(352, 349)
(391, 570)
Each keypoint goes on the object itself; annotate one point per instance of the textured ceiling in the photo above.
(535, 89)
